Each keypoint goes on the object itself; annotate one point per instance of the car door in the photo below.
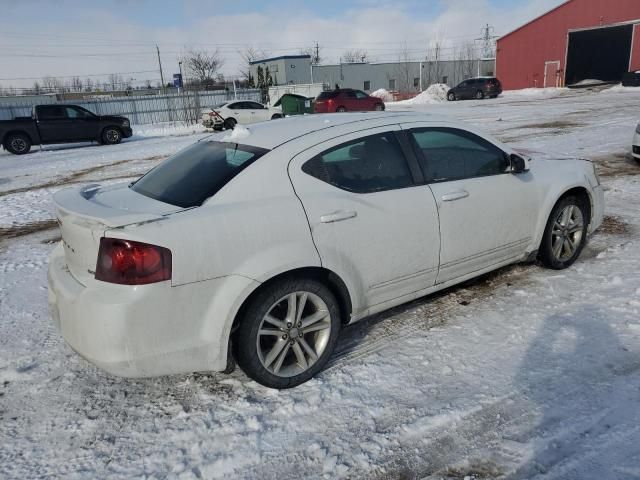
(83, 125)
(365, 102)
(371, 223)
(239, 112)
(53, 124)
(487, 214)
(257, 112)
(351, 101)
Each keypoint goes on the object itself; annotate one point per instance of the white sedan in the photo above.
(228, 114)
(261, 250)
(636, 144)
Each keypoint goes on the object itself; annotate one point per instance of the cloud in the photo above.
(75, 39)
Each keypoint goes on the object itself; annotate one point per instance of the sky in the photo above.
(65, 38)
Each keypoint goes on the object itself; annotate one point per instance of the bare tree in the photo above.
(402, 71)
(468, 55)
(76, 84)
(88, 85)
(203, 65)
(51, 85)
(355, 56)
(314, 53)
(250, 55)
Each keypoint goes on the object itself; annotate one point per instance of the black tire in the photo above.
(276, 116)
(379, 107)
(246, 339)
(554, 233)
(230, 123)
(451, 97)
(479, 95)
(341, 109)
(111, 136)
(17, 143)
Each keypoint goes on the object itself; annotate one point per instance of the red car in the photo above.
(346, 100)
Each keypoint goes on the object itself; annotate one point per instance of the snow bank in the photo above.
(165, 129)
(238, 133)
(384, 95)
(529, 93)
(436, 93)
(620, 89)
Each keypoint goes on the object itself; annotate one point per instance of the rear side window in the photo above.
(370, 164)
(452, 154)
(195, 174)
(50, 112)
(327, 95)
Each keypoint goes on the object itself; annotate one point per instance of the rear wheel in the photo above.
(341, 109)
(379, 107)
(17, 143)
(479, 94)
(287, 332)
(565, 234)
(451, 97)
(111, 136)
(230, 123)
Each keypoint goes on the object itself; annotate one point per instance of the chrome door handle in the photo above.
(451, 196)
(337, 216)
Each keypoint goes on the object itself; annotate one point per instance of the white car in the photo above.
(228, 114)
(266, 247)
(636, 144)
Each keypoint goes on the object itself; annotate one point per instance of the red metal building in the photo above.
(578, 40)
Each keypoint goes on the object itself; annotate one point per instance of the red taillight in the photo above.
(132, 263)
(212, 114)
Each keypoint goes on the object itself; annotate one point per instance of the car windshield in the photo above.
(195, 174)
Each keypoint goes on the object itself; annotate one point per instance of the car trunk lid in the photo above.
(84, 214)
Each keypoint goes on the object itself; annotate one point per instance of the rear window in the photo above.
(327, 95)
(197, 173)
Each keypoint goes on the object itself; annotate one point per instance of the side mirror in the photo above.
(518, 164)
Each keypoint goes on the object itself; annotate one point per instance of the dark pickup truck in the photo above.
(61, 124)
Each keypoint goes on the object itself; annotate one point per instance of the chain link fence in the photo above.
(183, 107)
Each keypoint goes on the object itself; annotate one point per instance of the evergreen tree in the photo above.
(261, 83)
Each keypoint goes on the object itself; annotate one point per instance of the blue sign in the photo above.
(177, 80)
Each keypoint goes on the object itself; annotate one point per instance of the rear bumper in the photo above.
(147, 330)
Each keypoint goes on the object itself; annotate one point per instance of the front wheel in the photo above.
(111, 136)
(287, 333)
(565, 234)
(341, 109)
(479, 94)
(18, 144)
(451, 97)
(230, 123)
(379, 107)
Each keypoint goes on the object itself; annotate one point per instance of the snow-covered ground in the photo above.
(524, 373)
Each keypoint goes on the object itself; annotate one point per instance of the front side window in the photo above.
(370, 164)
(191, 176)
(360, 94)
(453, 154)
(76, 112)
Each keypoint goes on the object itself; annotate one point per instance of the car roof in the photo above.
(272, 133)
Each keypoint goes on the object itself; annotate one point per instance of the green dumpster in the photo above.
(294, 104)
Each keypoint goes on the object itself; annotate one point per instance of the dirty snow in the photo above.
(524, 373)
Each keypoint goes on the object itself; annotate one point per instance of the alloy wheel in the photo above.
(566, 235)
(18, 145)
(293, 334)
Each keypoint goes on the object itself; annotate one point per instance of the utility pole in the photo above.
(160, 67)
(487, 39)
(316, 60)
